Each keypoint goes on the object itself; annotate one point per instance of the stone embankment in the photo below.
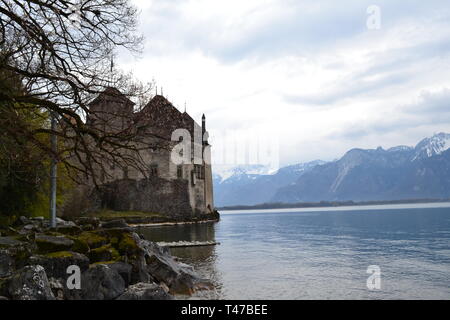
(113, 262)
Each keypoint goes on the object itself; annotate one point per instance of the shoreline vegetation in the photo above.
(327, 204)
(138, 218)
(115, 262)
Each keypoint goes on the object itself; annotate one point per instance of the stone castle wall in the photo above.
(158, 195)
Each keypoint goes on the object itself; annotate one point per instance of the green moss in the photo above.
(112, 215)
(107, 262)
(127, 245)
(59, 254)
(79, 245)
(21, 237)
(54, 234)
(92, 239)
(104, 253)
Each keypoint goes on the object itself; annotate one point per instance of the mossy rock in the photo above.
(69, 230)
(47, 244)
(104, 253)
(59, 254)
(80, 245)
(93, 239)
(56, 263)
(10, 242)
(125, 244)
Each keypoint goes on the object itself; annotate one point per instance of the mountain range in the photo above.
(401, 172)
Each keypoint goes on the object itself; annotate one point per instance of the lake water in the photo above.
(320, 253)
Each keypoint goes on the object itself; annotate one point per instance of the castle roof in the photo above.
(111, 94)
(161, 116)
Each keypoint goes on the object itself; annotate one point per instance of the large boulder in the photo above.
(47, 244)
(180, 278)
(13, 254)
(139, 270)
(30, 283)
(99, 282)
(124, 241)
(124, 270)
(145, 291)
(56, 263)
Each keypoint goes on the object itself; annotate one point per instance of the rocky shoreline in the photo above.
(112, 260)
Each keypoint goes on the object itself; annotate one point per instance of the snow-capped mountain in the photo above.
(224, 172)
(377, 174)
(435, 145)
(401, 172)
(253, 184)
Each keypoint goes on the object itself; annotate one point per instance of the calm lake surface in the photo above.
(320, 253)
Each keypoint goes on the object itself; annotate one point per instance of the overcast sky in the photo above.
(310, 73)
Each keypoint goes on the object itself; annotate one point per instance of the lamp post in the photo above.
(53, 172)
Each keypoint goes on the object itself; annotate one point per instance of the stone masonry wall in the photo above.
(168, 197)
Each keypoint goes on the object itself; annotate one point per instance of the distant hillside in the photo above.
(243, 186)
(398, 173)
(362, 175)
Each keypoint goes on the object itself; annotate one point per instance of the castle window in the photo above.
(199, 171)
(153, 170)
(125, 172)
(193, 178)
(179, 172)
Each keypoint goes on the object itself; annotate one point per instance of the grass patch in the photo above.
(59, 254)
(110, 214)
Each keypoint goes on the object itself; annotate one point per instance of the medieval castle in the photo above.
(166, 187)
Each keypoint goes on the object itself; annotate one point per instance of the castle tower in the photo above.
(203, 125)
(206, 155)
(111, 111)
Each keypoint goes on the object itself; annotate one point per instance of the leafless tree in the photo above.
(61, 50)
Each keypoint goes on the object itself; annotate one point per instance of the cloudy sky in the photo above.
(308, 76)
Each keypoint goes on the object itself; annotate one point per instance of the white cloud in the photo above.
(309, 71)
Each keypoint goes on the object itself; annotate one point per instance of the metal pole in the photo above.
(53, 173)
